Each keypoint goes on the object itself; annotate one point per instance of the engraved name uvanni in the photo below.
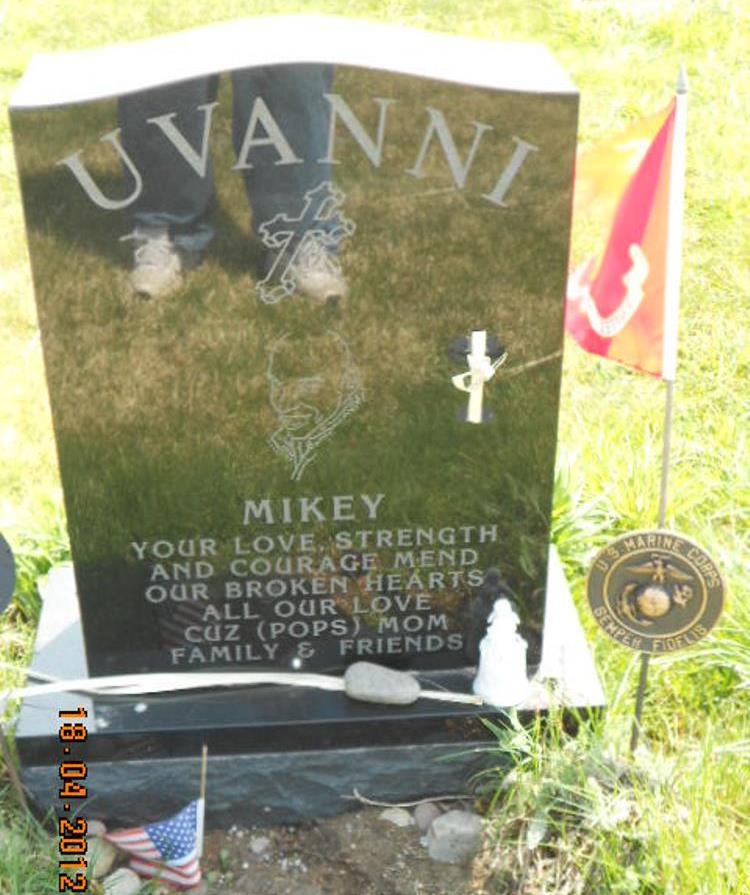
(263, 130)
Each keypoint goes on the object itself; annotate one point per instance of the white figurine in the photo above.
(501, 679)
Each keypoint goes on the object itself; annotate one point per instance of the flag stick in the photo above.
(202, 801)
(668, 402)
(671, 313)
(204, 768)
(639, 697)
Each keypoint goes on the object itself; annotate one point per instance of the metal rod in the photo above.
(673, 267)
(669, 355)
(665, 453)
(639, 699)
(667, 440)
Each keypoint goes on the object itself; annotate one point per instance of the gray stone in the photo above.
(101, 856)
(122, 882)
(454, 837)
(95, 829)
(369, 682)
(259, 845)
(399, 817)
(424, 814)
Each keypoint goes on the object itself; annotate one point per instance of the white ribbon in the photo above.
(481, 369)
(141, 684)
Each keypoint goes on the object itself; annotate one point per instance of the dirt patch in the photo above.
(353, 854)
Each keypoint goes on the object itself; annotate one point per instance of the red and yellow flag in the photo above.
(617, 296)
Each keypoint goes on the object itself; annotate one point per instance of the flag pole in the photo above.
(202, 802)
(672, 277)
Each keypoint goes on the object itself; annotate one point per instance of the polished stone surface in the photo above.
(267, 788)
(254, 476)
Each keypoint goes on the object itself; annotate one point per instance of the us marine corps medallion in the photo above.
(655, 591)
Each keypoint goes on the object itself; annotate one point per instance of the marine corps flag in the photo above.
(623, 300)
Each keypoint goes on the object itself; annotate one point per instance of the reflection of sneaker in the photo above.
(314, 273)
(318, 274)
(157, 265)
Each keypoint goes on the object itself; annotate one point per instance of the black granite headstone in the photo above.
(267, 461)
(301, 305)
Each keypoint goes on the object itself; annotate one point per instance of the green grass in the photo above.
(573, 817)
(28, 864)
(676, 823)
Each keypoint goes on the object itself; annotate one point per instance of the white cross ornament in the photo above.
(481, 370)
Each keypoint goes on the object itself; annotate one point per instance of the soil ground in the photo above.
(358, 853)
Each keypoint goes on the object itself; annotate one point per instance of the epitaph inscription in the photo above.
(273, 594)
(255, 475)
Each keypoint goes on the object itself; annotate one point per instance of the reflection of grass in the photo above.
(167, 401)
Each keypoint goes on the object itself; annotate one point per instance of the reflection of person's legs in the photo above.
(294, 97)
(285, 167)
(171, 225)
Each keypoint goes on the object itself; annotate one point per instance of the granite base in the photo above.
(276, 754)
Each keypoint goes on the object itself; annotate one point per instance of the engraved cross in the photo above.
(311, 239)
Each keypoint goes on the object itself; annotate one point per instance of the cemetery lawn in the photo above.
(578, 815)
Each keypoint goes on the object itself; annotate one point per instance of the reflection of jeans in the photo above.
(176, 199)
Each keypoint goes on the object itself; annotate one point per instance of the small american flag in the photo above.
(169, 849)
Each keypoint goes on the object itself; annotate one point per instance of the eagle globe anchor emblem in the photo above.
(665, 589)
(655, 591)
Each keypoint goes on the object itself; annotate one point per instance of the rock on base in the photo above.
(454, 837)
(424, 815)
(369, 682)
(122, 882)
(102, 856)
(95, 829)
(260, 845)
(399, 817)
